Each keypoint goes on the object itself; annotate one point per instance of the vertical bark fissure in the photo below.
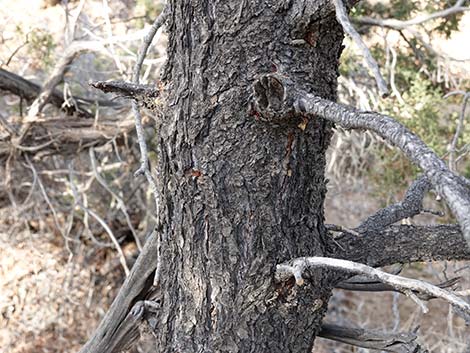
(239, 195)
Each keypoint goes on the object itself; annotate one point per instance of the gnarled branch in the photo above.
(288, 99)
(411, 205)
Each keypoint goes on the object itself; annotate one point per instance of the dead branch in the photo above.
(411, 205)
(93, 214)
(375, 286)
(341, 229)
(398, 25)
(135, 288)
(453, 145)
(388, 342)
(144, 160)
(67, 135)
(128, 332)
(61, 67)
(73, 50)
(279, 99)
(343, 18)
(28, 90)
(143, 94)
(296, 267)
(121, 203)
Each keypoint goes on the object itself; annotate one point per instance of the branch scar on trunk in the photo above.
(275, 107)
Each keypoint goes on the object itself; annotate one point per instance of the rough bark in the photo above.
(396, 342)
(240, 195)
(403, 244)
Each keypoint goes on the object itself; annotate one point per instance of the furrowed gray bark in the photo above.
(238, 195)
(240, 192)
(402, 244)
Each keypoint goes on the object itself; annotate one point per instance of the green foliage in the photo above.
(151, 9)
(42, 46)
(422, 107)
(407, 9)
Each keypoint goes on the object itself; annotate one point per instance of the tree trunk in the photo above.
(239, 195)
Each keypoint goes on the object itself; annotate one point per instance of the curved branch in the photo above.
(411, 205)
(144, 161)
(375, 286)
(287, 100)
(342, 17)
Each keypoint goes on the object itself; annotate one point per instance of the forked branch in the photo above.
(411, 205)
(296, 267)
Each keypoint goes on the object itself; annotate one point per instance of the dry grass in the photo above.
(50, 300)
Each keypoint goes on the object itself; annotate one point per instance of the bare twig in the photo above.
(12, 55)
(341, 229)
(49, 203)
(343, 18)
(398, 25)
(108, 230)
(119, 200)
(296, 267)
(105, 12)
(144, 161)
(453, 145)
(61, 67)
(71, 52)
(71, 25)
